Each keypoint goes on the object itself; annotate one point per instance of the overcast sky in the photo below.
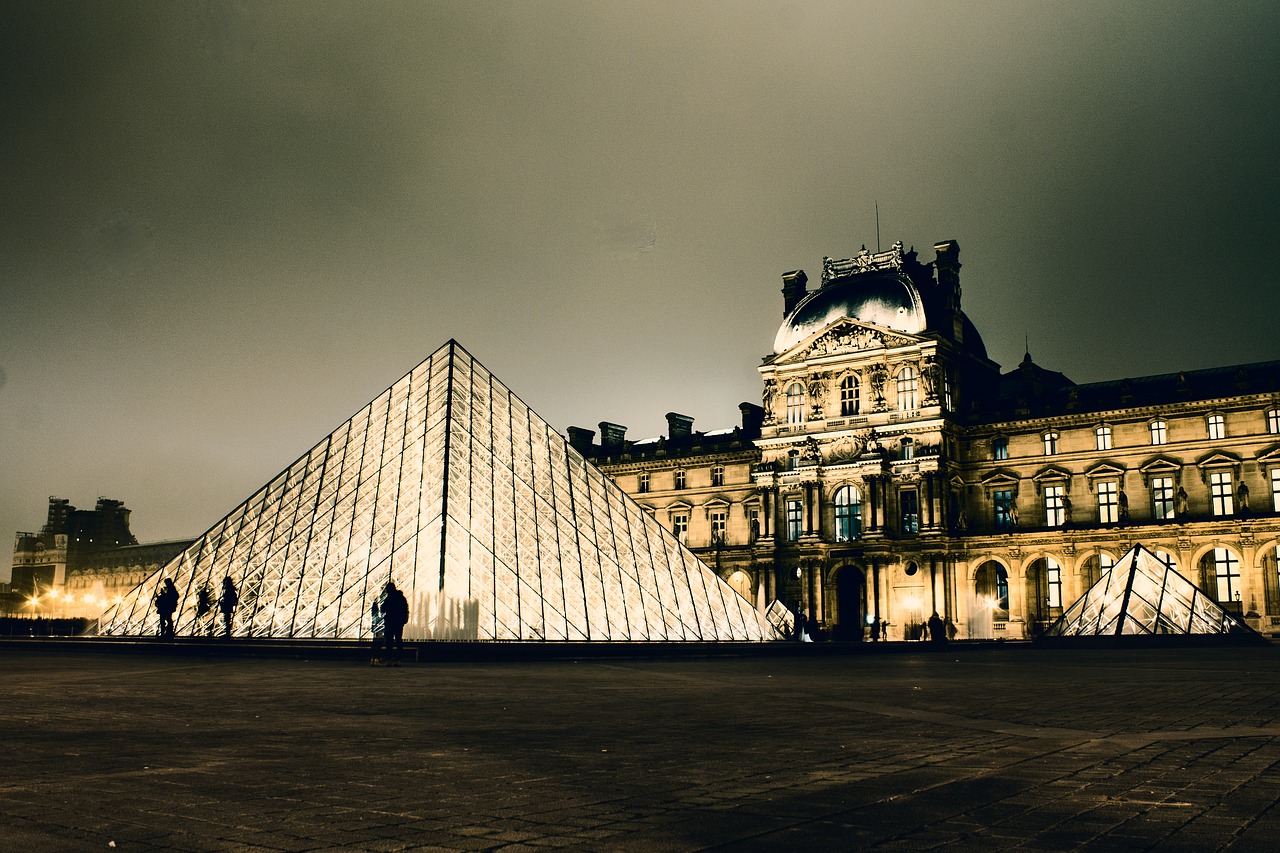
(225, 227)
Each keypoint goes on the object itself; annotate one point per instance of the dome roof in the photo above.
(886, 298)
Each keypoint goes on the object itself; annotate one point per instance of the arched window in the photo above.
(717, 475)
(1226, 570)
(795, 403)
(907, 385)
(848, 396)
(1102, 437)
(1159, 432)
(908, 448)
(680, 478)
(848, 513)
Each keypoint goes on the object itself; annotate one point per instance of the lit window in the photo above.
(795, 519)
(1166, 558)
(1273, 421)
(907, 382)
(793, 460)
(1053, 577)
(849, 396)
(1217, 427)
(1103, 436)
(910, 502)
(1220, 497)
(680, 478)
(948, 398)
(1108, 503)
(1050, 443)
(1159, 432)
(908, 449)
(1000, 448)
(1002, 589)
(719, 524)
(1275, 489)
(717, 475)
(1161, 498)
(644, 483)
(1055, 510)
(680, 527)
(848, 514)
(1004, 509)
(1226, 569)
(1106, 562)
(795, 404)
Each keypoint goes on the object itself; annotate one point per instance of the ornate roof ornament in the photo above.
(864, 261)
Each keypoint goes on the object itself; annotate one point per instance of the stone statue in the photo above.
(770, 393)
(1242, 498)
(1013, 514)
(877, 375)
(1181, 506)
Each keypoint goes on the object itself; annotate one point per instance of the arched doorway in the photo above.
(1044, 593)
(990, 608)
(851, 587)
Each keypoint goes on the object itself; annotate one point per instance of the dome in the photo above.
(886, 298)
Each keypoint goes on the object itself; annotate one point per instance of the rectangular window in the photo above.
(717, 475)
(680, 527)
(1220, 497)
(795, 519)
(644, 483)
(1055, 511)
(719, 524)
(1108, 503)
(1050, 443)
(999, 448)
(1103, 437)
(910, 502)
(1161, 498)
(1217, 427)
(1226, 569)
(1159, 432)
(1275, 489)
(1273, 421)
(1004, 509)
(1053, 574)
(680, 478)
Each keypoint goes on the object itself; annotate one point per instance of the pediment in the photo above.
(999, 477)
(1160, 465)
(1217, 459)
(1271, 454)
(1051, 472)
(847, 336)
(678, 506)
(1105, 468)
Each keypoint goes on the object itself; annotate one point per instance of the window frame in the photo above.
(1000, 448)
(680, 480)
(1273, 421)
(642, 483)
(1224, 561)
(907, 381)
(795, 519)
(1222, 494)
(1159, 432)
(1002, 509)
(848, 513)
(1162, 498)
(1102, 437)
(795, 403)
(1215, 427)
(1109, 509)
(910, 521)
(1055, 508)
(1049, 439)
(717, 475)
(680, 526)
(850, 396)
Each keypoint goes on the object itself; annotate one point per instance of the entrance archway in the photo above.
(990, 606)
(851, 595)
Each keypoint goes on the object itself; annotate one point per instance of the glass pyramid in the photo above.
(493, 526)
(1140, 594)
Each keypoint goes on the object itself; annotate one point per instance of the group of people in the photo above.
(165, 602)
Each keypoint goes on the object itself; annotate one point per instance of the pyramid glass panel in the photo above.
(1140, 594)
(495, 528)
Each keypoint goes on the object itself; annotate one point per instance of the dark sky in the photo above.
(227, 226)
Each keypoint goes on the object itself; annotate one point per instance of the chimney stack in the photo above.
(752, 419)
(678, 426)
(612, 436)
(581, 439)
(793, 290)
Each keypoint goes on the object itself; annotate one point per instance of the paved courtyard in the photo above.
(999, 748)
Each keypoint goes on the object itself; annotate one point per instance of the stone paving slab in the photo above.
(996, 749)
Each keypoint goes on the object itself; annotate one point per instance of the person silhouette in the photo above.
(166, 601)
(227, 604)
(395, 614)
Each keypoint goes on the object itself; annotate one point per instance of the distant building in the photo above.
(895, 472)
(82, 559)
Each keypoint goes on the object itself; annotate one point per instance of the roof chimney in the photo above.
(678, 426)
(612, 436)
(752, 419)
(581, 439)
(793, 290)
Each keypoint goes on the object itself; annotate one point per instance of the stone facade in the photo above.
(895, 472)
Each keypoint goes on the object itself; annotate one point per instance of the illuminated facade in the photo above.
(493, 526)
(896, 473)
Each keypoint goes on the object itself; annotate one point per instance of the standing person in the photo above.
(937, 630)
(166, 601)
(875, 630)
(379, 628)
(204, 605)
(395, 613)
(227, 604)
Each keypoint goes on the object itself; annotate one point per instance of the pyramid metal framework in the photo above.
(1141, 594)
(493, 526)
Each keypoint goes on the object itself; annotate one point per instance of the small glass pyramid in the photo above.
(492, 525)
(1139, 595)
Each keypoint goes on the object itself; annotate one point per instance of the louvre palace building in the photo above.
(893, 471)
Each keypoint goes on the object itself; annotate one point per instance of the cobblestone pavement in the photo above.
(1013, 748)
